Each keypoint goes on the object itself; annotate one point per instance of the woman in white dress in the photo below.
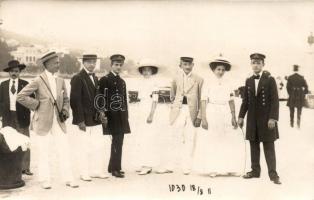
(148, 95)
(223, 144)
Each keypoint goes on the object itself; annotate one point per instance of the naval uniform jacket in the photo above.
(113, 88)
(260, 108)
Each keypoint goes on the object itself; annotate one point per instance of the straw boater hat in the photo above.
(13, 64)
(220, 61)
(48, 56)
(89, 56)
(147, 63)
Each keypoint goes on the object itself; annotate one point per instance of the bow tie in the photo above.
(256, 76)
(91, 74)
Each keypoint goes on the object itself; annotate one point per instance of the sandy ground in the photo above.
(295, 165)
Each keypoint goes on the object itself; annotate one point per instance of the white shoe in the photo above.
(86, 178)
(213, 174)
(186, 172)
(46, 185)
(72, 184)
(145, 170)
(163, 171)
(100, 176)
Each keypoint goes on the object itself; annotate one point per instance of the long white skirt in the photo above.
(219, 149)
(150, 139)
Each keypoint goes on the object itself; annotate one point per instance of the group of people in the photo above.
(100, 107)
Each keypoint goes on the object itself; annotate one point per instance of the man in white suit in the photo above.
(185, 115)
(51, 109)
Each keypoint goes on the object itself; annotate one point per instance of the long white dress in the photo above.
(146, 133)
(220, 148)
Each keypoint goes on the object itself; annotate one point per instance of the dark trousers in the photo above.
(270, 155)
(116, 152)
(299, 112)
(13, 122)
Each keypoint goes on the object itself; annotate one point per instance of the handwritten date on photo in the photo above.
(189, 188)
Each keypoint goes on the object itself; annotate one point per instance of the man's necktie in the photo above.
(13, 90)
(257, 76)
(90, 74)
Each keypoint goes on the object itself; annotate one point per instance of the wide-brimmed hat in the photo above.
(147, 63)
(13, 64)
(220, 61)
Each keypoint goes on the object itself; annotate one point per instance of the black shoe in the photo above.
(291, 124)
(121, 172)
(27, 172)
(251, 174)
(276, 180)
(117, 174)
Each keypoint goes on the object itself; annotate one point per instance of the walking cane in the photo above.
(245, 157)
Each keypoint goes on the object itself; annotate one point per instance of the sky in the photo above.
(166, 30)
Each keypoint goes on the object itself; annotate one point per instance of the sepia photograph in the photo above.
(156, 99)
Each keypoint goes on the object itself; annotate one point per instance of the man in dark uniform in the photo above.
(261, 103)
(84, 89)
(113, 87)
(297, 89)
(13, 113)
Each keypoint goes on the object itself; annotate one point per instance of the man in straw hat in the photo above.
(88, 118)
(113, 87)
(185, 115)
(51, 109)
(261, 104)
(13, 113)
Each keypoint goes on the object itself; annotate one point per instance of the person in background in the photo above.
(13, 113)
(51, 109)
(297, 89)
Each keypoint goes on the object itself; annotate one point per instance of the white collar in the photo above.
(187, 75)
(88, 72)
(258, 73)
(114, 73)
(49, 74)
(16, 80)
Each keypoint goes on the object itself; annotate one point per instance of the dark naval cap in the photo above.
(187, 59)
(117, 58)
(257, 56)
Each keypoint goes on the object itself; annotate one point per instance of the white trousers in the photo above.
(54, 142)
(91, 152)
(184, 139)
